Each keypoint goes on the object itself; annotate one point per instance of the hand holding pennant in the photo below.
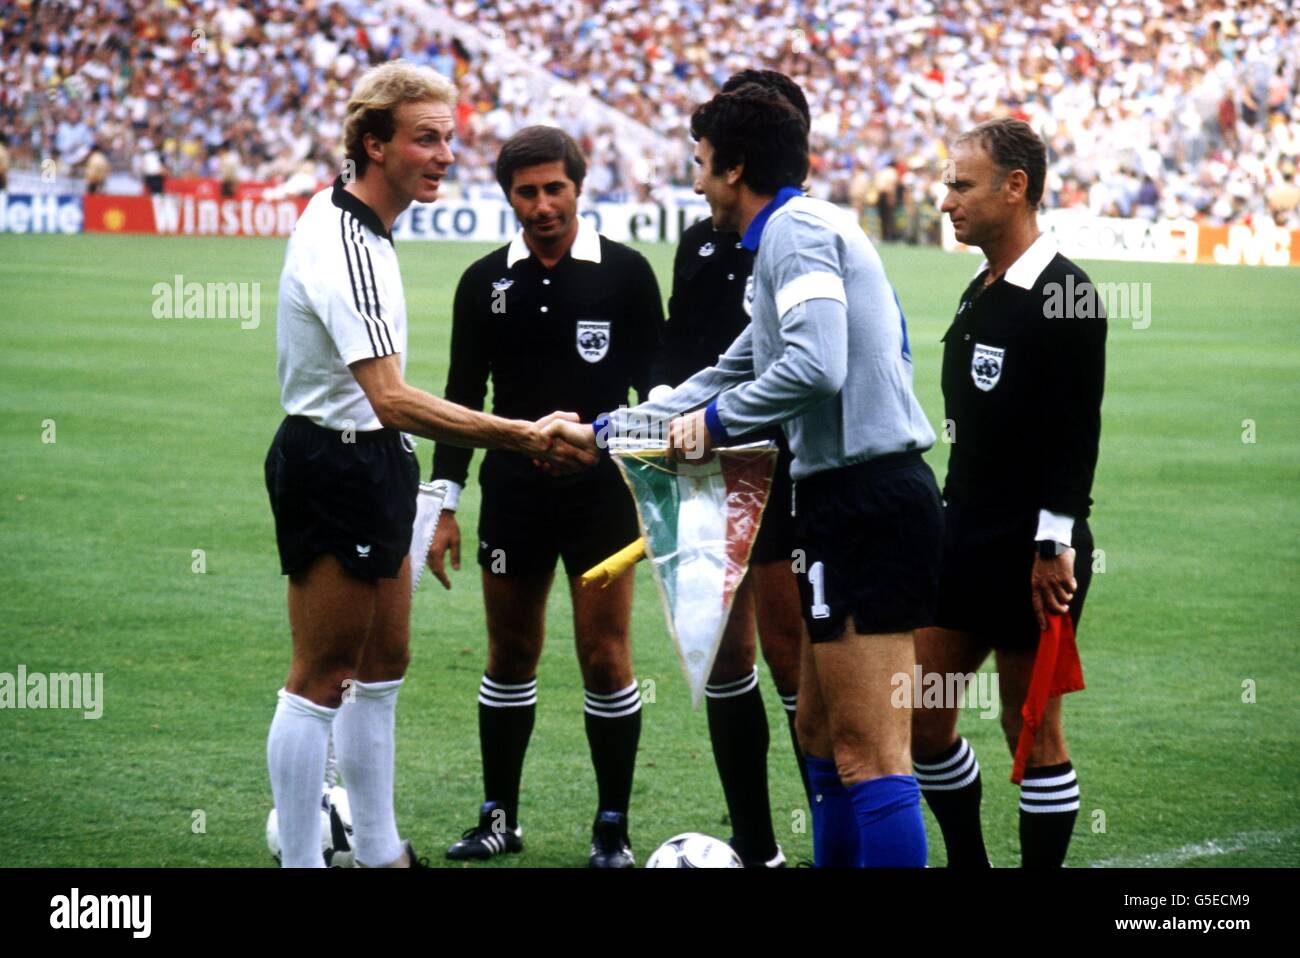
(698, 522)
(428, 506)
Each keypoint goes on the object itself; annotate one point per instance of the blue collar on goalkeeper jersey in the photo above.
(755, 231)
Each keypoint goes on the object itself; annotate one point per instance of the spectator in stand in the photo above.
(1166, 88)
(886, 189)
(1148, 199)
(151, 167)
(1284, 200)
(73, 139)
(228, 169)
(97, 170)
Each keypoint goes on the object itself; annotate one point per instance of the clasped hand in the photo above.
(565, 445)
(575, 445)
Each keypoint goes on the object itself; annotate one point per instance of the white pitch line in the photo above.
(1215, 846)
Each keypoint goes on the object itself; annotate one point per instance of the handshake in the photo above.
(562, 445)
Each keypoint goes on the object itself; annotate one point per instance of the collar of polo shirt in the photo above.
(586, 245)
(368, 217)
(1024, 272)
(755, 232)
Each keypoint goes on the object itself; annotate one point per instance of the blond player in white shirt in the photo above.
(341, 474)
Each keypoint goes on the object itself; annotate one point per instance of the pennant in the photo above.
(428, 507)
(1057, 671)
(699, 522)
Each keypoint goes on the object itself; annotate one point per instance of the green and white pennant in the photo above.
(699, 522)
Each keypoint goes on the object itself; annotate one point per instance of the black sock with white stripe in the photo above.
(950, 782)
(613, 723)
(738, 731)
(1049, 804)
(505, 723)
(788, 703)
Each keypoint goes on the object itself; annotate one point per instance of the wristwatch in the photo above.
(1050, 548)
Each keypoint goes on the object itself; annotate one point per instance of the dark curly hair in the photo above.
(773, 80)
(756, 127)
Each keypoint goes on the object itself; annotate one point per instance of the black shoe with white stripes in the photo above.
(489, 838)
(610, 847)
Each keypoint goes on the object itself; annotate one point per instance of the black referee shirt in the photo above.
(1022, 386)
(705, 310)
(574, 337)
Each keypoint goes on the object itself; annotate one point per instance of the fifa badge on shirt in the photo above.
(986, 366)
(748, 301)
(707, 249)
(593, 340)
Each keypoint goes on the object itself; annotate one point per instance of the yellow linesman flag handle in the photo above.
(603, 573)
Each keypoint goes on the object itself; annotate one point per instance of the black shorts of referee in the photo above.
(776, 539)
(988, 556)
(528, 519)
(872, 534)
(353, 499)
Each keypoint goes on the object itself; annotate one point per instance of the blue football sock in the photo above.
(891, 833)
(835, 825)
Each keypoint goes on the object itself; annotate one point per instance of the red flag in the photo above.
(1057, 671)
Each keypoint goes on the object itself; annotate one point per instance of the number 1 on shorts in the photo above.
(820, 610)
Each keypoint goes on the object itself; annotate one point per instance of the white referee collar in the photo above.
(1024, 272)
(586, 245)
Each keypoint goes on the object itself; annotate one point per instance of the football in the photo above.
(335, 830)
(693, 850)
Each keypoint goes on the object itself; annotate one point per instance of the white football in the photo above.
(335, 829)
(693, 850)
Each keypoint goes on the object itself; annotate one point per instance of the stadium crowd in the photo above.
(1170, 108)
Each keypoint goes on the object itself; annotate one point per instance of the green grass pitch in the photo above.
(1185, 739)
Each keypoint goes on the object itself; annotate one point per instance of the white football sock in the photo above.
(295, 755)
(363, 741)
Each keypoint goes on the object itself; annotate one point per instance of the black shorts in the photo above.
(987, 561)
(776, 537)
(528, 519)
(354, 500)
(872, 534)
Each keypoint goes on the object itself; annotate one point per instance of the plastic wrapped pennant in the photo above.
(699, 522)
(428, 506)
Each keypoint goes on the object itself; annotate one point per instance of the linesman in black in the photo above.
(1023, 369)
(560, 318)
(705, 315)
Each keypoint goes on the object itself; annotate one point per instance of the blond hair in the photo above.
(378, 93)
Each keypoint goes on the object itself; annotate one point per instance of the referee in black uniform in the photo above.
(1023, 368)
(705, 315)
(561, 317)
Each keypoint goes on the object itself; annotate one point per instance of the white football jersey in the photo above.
(341, 300)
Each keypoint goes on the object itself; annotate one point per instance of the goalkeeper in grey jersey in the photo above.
(826, 355)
